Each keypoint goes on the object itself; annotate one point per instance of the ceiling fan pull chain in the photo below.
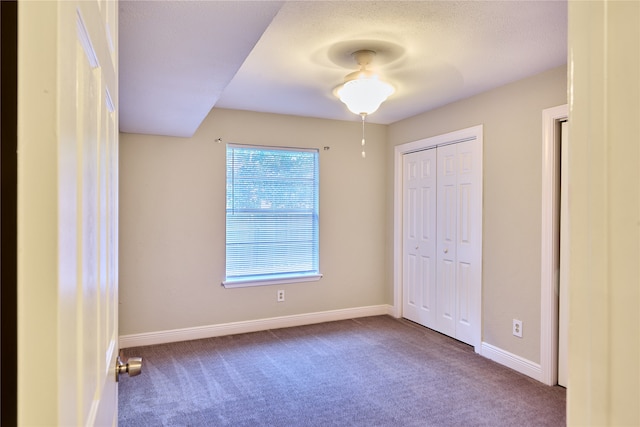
(364, 155)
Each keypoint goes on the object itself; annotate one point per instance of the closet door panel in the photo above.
(447, 237)
(464, 300)
(419, 236)
(468, 243)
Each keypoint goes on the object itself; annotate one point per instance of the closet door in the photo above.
(419, 237)
(459, 241)
(469, 243)
(446, 246)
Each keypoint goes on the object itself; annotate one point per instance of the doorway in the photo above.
(550, 241)
(563, 262)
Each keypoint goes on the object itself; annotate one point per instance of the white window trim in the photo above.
(275, 281)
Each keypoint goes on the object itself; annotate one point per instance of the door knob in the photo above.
(133, 367)
(446, 250)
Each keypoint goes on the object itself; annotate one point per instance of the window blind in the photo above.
(271, 214)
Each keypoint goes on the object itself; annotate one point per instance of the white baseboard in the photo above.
(510, 360)
(199, 332)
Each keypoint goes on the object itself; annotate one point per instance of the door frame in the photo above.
(467, 134)
(550, 235)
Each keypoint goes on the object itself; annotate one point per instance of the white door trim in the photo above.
(549, 243)
(471, 133)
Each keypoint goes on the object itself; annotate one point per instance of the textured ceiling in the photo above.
(178, 58)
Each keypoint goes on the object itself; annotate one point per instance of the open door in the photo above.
(67, 212)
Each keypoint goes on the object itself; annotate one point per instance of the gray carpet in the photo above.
(374, 371)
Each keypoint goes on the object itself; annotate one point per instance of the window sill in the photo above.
(273, 281)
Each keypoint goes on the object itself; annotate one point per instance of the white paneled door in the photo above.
(419, 222)
(460, 245)
(68, 213)
(442, 239)
(447, 226)
(92, 144)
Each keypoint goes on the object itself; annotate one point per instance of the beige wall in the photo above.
(512, 119)
(172, 223)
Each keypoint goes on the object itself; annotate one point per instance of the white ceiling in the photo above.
(179, 59)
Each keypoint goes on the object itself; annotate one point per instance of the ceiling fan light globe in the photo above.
(364, 95)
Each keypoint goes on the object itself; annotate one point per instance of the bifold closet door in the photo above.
(419, 237)
(442, 232)
(446, 246)
(459, 246)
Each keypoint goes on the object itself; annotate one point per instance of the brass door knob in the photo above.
(133, 367)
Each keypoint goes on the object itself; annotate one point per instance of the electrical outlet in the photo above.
(517, 328)
(281, 295)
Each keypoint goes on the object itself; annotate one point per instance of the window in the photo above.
(272, 215)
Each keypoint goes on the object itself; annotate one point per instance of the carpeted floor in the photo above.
(374, 371)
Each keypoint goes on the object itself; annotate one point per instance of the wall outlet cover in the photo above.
(517, 328)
